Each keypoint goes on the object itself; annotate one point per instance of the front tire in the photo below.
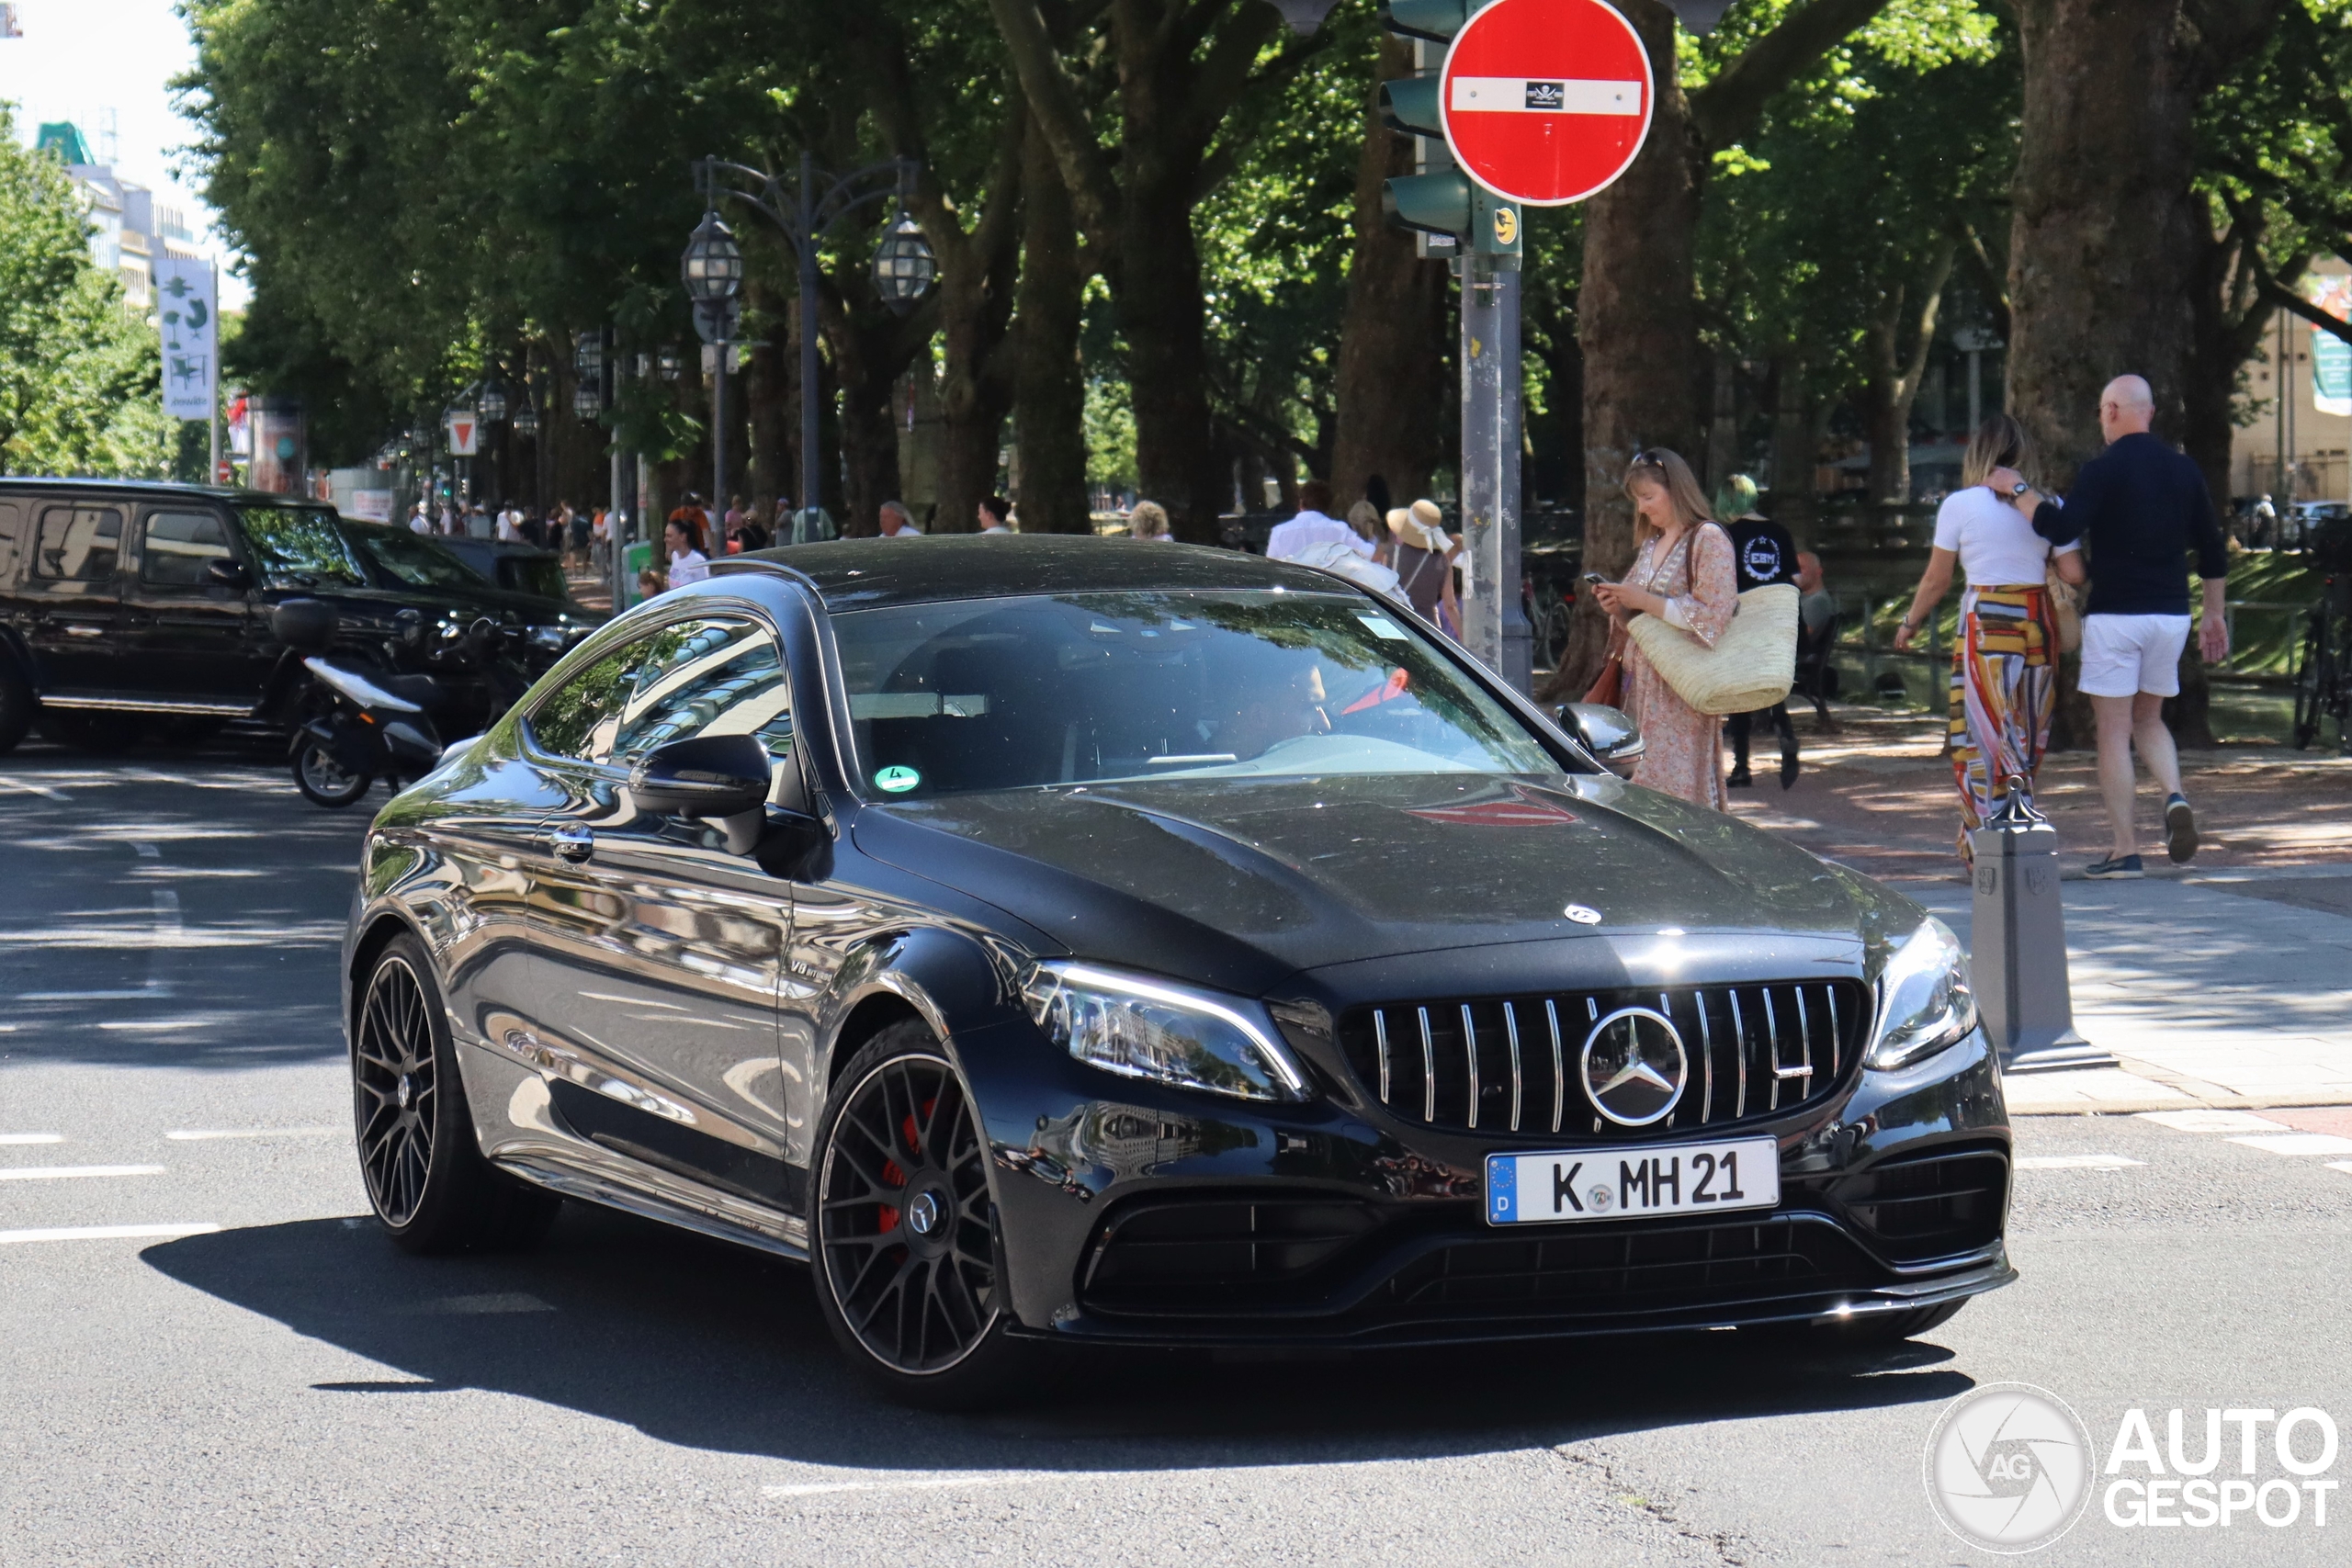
(18, 705)
(325, 781)
(902, 1239)
(427, 1181)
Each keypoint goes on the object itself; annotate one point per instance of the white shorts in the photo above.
(2125, 655)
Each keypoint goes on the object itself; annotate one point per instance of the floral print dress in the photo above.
(1681, 748)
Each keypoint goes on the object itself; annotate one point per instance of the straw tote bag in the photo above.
(1753, 665)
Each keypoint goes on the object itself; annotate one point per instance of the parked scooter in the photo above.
(355, 722)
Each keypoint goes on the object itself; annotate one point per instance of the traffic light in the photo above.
(1442, 205)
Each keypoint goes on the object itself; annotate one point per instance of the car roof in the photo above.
(134, 489)
(864, 574)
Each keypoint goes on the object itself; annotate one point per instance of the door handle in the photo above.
(572, 842)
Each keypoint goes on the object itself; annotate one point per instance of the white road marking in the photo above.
(822, 1488)
(42, 790)
(138, 996)
(198, 1135)
(2343, 1165)
(2077, 1162)
(2298, 1143)
(109, 1233)
(155, 1024)
(62, 1172)
(32, 1137)
(2214, 1122)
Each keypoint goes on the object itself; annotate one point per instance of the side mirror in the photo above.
(723, 779)
(303, 623)
(1606, 732)
(227, 573)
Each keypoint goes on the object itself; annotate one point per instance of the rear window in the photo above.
(542, 575)
(79, 543)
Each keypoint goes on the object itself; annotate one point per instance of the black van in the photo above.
(126, 599)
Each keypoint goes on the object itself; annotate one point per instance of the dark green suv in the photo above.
(123, 601)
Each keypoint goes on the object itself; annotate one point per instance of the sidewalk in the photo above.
(2226, 984)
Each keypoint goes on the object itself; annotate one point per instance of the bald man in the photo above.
(2143, 509)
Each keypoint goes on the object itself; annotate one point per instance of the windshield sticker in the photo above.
(1382, 626)
(898, 780)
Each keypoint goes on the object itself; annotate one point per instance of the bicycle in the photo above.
(2324, 679)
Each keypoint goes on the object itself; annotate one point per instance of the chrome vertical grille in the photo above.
(1514, 1065)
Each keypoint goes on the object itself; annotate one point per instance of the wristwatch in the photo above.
(2018, 489)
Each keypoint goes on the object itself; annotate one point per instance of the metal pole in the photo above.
(212, 383)
(805, 236)
(615, 533)
(1495, 624)
(719, 354)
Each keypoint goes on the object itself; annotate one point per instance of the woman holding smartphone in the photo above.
(1684, 575)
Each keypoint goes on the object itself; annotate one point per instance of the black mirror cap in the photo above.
(305, 625)
(228, 573)
(708, 776)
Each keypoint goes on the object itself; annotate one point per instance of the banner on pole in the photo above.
(191, 335)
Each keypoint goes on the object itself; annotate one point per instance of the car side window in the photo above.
(177, 547)
(716, 676)
(79, 543)
(11, 520)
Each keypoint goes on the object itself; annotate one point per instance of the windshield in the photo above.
(415, 560)
(299, 544)
(1003, 693)
(542, 575)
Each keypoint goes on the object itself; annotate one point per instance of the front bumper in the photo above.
(1163, 1218)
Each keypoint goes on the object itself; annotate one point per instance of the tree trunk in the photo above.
(1640, 331)
(868, 358)
(767, 406)
(2106, 226)
(1160, 315)
(1390, 381)
(1723, 421)
(1794, 450)
(1049, 382)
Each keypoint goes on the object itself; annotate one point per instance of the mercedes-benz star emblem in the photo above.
(1634, 1067)
(922, 1214)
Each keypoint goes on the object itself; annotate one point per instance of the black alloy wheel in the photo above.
(904, 1234)
(325, 781)
(427, 1181)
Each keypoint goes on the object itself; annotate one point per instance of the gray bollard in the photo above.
(2018, 944)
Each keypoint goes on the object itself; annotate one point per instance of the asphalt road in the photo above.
(287, 1388)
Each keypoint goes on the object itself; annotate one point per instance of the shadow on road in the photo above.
(697, 1343)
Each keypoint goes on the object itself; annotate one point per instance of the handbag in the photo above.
(1608, 688)
(2065, 611)
(1753, 665)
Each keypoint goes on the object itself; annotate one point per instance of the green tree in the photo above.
(80, 377)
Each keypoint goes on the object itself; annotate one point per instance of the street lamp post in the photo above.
(902, 266)
(713, 270)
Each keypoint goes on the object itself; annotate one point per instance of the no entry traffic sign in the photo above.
(1545, 101)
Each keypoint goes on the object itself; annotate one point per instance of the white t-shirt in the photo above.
(1292, 539)
(1997, 548)
(691, 567)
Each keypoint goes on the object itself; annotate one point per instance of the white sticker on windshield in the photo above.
(1381, 625)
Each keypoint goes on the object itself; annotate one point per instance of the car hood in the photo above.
(1309, 873)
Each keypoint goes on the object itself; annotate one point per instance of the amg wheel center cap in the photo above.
(922, 1214)
(1634, 1067)
(405, 1092)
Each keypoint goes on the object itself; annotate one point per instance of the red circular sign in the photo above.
(1545, 102)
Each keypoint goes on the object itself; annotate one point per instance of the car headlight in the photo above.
(1143, 1028)
(1925, 1001)
(550, 639)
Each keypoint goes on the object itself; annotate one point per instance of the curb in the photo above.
(2307, 1099)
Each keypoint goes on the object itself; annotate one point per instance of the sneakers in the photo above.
(2180, 830)
(2116, 868)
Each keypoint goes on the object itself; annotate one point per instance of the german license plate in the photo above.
(1620, 1184)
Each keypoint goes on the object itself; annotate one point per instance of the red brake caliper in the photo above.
(892, 1173)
